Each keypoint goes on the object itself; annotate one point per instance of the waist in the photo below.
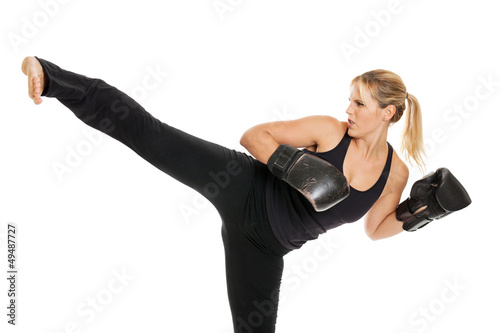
(292, 218)
(262, 226)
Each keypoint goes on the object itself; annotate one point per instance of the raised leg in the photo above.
(220, 174)
(234, 182)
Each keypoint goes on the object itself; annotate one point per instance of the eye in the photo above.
(358, 103)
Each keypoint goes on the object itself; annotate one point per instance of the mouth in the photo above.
(350, 122)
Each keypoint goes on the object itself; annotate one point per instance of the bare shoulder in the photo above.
(325, 122)
(328, 131)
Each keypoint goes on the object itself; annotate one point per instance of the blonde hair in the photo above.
(387, 88)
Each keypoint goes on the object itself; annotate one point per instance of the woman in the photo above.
(269, 211)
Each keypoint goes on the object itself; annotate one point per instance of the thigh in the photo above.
(222, 175)
(217, 172)
(253, 274)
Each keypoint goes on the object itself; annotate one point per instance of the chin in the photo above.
(351, 132)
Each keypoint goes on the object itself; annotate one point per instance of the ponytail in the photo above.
(412, 141)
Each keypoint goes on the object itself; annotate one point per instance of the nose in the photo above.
(349, 110)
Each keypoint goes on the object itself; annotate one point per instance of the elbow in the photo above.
(372, 235)
(259, 143)
(381, 235)
(254, 136)
(246, 138)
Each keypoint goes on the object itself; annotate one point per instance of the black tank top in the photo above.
(292, 218)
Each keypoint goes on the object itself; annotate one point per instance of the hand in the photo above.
(433, 197)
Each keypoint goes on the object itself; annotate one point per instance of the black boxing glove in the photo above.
(440, 191)
(316, 179)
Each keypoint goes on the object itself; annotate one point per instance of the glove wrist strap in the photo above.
(410, 221)
(283, 158)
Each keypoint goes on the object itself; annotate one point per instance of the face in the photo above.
(364, 117)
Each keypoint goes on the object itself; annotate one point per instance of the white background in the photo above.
(228, 70)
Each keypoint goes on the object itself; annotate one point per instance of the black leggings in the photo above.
(232, 181)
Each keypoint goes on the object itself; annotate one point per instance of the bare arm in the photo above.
(313, 131)
(381, 221)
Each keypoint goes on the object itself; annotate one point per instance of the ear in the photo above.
(389, 112)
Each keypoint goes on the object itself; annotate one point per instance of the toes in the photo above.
(35, 89)
(35, 79)
(35, 84)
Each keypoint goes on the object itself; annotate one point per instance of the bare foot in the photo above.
(32, 68)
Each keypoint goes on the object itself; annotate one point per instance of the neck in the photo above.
(372, 144)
